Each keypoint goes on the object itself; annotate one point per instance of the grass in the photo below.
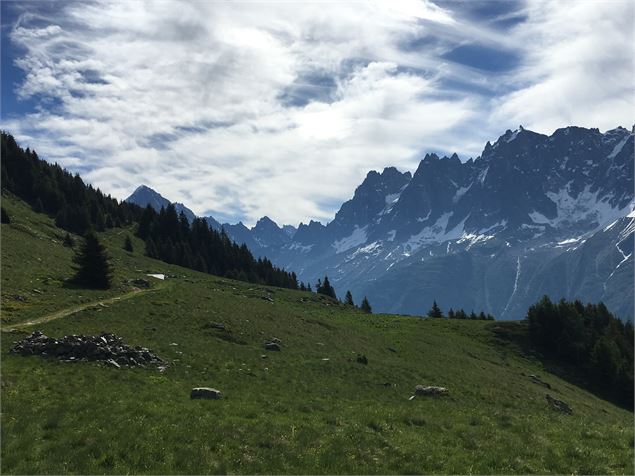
(291, 412)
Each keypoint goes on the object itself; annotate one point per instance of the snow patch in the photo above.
(459, 193)
(618, 148)
(436, 233)
(356, 238)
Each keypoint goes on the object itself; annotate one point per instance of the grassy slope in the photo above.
(292, 412)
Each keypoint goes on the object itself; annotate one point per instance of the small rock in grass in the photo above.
(362, 359)
(424, 390)
(558, 405)
(272, 346)
(205, 393)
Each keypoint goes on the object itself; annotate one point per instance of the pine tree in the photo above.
(365, 306)
(349, 299)
(473, 316)
(451, 314)
(435, 311)
(128, 244)
(482, 316)
(69, 241)
(308, 287)
(4, 216)
(93, 267)
(326, 288)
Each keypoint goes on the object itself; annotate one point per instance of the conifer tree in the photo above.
(69, 241)
(128, 244)
(365, 306)
(93, 267)
(473, 316)
(349, 298)
(435, 311)
(326, 288)
(4, 216)
(451, 314)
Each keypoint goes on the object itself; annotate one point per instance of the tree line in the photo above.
(436, 312)
(50, 189)
(81, 209)
(589, 337)
(171, 238)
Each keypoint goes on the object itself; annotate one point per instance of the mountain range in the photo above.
(532, 215)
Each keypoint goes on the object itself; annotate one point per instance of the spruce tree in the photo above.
(326, 288)
(128, 244)
(69, 241)
(451, 314)
(435, 311)
(365, 306)
(4, 216)
(93, 267)
(349, 299)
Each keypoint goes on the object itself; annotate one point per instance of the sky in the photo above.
(252, 108)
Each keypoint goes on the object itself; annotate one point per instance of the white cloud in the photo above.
(191, 98)
(578, 68)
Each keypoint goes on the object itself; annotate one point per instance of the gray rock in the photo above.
(558, 405)
(205, 393)
(425, 390)
(272, 346)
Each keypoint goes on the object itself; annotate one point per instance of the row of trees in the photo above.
(79, 208)
(324, 287)
(589, 337)
(50, 189)
(171, 238)
(435, 311)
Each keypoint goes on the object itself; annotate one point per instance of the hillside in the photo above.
(310, 408)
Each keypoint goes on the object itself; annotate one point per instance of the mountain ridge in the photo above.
(526, 199)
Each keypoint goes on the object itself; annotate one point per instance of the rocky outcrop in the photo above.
(104, 347)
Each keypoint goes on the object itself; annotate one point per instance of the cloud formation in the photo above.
(242, 110)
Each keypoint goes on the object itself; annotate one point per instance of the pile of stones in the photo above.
(105, 347)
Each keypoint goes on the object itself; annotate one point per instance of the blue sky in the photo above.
(248, 109)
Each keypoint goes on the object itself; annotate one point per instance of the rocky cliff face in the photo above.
(533, 215)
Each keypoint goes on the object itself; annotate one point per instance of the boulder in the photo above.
(424, 390)
(205, 393)
(558, 405)
(272, 346)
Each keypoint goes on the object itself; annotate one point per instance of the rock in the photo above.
(216, 325)
(424, 390)
(104, 347)
(113, 363)
(558, 405)
(20, 298)
(537, 380)
(272, 346)
(141, 283)
(392, 350)
(275, 340)
(362, 359)
(205, 393)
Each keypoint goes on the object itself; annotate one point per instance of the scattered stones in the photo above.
(215, 325)
(362, 359)
(205, 393)
(558, 405)
(424, 390)
(272, 346)
(537, 380)
(141, 283)
(104, 347)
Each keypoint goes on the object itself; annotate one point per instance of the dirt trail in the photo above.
(75, 309)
